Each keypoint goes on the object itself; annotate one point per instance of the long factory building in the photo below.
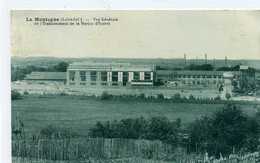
(115, 74)
(126, 74)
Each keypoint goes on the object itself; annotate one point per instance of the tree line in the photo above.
(176, 98)
(19, 73)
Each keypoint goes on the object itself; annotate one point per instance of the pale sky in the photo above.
(141, 34)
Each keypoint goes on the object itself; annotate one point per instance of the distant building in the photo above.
(247, 79)
(115, 74)
(125, 74)
(193, 78)
(46, 77)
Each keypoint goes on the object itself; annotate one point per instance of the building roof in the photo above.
(185, 72)
(46, 76)
(93, 66)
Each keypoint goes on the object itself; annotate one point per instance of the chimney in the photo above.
(226, 60)
(185, 59)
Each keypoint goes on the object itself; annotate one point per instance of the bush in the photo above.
(192, 98)
(177, 97)
(160, 96)
(63, 94)
(142, 96)
(15, 95)
(155, 128)
(61, 67)
(105, 96)
(26, 93)
(218, 98)
(226, 130)
(228, 96)
(160, 128)
(52, 131)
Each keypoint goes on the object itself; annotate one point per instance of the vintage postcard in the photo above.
(172, 86)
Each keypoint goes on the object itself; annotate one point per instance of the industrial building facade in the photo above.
(194, 78)
(124, 74)
(115, 74)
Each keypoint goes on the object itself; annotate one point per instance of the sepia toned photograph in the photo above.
(172, 86)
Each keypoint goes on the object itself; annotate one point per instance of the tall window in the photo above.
(93, 76)
(147, 75)
(114, 76)
(136, 76)
(125, 78)
(82, 75)
(103, 76)
(72, 75)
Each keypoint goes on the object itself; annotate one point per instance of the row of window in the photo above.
(95, 83)
(191, 76)
(200, 82)
(93, 76)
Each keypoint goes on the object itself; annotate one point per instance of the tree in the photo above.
(105, 96)
(203, 67)
(61, 67)
(52, 131)
(221, 88)
(155, 128)
(200, 136)
(177, 97)
(234, 68)
(191, 97)
(228, 96)
(97, 130)
(160, 96)
(15, 95)
(160, 128)
(228, 129)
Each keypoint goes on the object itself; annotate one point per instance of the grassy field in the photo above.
(79, 113)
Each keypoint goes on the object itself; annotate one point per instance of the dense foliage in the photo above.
(227, 130)
(176, 98)
(203, 67)
(15, 95)
(52, 131)
(155, 128)
(232, 68)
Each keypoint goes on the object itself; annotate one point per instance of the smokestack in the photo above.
(185, 59)
(206, 58)
(226, 60)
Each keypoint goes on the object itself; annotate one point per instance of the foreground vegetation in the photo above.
(227, 130)
(214, 127)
